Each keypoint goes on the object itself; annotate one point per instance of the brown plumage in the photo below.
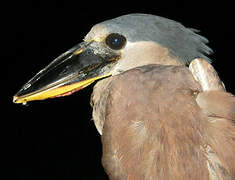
(181, 133)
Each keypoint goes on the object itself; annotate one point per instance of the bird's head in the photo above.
(112, 47)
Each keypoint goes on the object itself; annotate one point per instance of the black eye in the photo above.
(115, 41)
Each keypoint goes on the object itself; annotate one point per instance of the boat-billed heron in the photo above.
(160, 107)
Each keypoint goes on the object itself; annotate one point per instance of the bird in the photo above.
(158, 103)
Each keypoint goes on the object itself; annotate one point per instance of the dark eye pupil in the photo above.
(115, 41)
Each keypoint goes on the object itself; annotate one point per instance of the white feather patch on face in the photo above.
(141, 53)
(97, 33)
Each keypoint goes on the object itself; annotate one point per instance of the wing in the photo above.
(219, 107)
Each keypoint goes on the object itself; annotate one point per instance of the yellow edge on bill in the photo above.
(55, 91)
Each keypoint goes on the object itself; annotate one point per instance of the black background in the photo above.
(56, 139)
